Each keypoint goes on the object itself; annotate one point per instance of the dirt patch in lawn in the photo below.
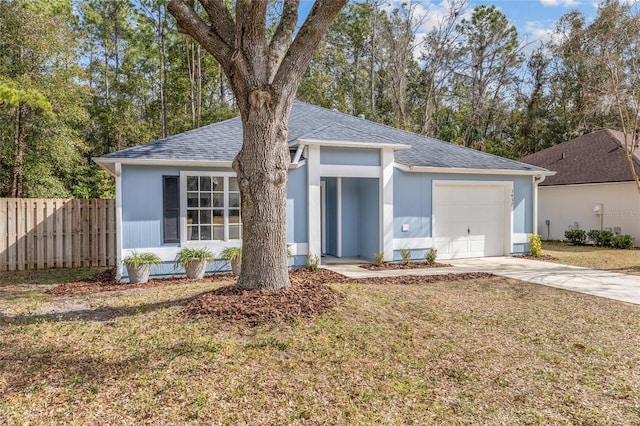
(308, 296)
(411, 265)
(106, 281)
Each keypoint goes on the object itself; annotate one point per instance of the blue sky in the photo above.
(535, 17)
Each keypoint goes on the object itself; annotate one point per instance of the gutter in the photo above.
(468, 171)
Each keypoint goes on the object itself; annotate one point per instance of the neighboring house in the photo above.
(593, 187)
(355, 188)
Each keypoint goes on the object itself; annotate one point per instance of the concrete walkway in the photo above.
(611, 285)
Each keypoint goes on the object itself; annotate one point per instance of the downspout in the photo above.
(536, 181)
(118, 175)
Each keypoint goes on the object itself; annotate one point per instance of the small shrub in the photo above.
(601, 238)
(577, 237)
(187, 255)
(625, 242)
(312, 261)
(405, 254)
(535, 245)
(378, 258)
(231, 253)
(136, 259)
(430, 256)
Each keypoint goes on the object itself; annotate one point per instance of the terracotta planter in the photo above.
(195, 269)
(138, 274)
(236, 266)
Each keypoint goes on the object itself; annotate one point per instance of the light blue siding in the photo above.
(142, 201)
(369, 218)
(360, 217)
(297, 207)
(521, 249)
(142, 205)
(349, 156)
(350, 217)
(332, 216)
(413, 195)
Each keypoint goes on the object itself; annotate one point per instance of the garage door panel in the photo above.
(469, 220)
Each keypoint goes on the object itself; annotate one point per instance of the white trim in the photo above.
(508, 206)
(385, 200)
(296, 157)
(520, 238)
(461, 170)
(183, 208)
(629, 182)
(352, 144)
(299, 249)
(424, 243)
(106, 162)
(323, 216)
(314, 221)
(119, 244)
(327, 170)
(168, 253)
(339, 218)
(536, 181)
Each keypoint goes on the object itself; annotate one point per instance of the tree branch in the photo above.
(220, 17)
(280, 41)
(300, 53)
(251, 40)
(209, 37)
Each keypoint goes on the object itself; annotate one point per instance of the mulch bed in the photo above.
(541, 257)
(307, 297)
(421, 279)
(411, 265)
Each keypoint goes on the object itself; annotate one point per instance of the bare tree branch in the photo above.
(300, 53)
(280, 40)
(221, 20)
(189, 22)
(251, 40)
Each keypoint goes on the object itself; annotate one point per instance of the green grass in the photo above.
(608, 259)
(477, 352)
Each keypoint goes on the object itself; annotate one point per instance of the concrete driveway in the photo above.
(611, 285)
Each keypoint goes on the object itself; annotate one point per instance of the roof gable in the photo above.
(597, 157)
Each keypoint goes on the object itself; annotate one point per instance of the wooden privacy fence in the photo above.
(56, 233)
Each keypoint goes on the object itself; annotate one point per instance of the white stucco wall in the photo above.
(564, 205)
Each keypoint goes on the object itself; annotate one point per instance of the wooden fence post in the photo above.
(56, 233)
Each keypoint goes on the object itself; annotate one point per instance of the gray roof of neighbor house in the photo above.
(596, 157)
(221, 142)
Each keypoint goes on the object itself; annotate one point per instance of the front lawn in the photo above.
(608, 259)
(483, 351)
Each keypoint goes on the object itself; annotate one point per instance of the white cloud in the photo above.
(565, 3)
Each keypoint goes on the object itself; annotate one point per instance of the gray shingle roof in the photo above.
(221, 141)
(592, 158)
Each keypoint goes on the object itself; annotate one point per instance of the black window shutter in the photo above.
(171, 208)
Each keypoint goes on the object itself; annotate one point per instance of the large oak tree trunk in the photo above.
(261, 167)
(264, 72)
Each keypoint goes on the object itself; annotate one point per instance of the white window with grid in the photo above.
(211, 206)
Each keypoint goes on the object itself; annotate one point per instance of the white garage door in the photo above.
(471, 219)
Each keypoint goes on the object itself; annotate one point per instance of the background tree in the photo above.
(439, 54)
(490, 57)
(41, 102)
(613, 51)
(264, 73)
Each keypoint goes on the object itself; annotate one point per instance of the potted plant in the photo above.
(139, 265)
(234, 256)
(194, 261)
